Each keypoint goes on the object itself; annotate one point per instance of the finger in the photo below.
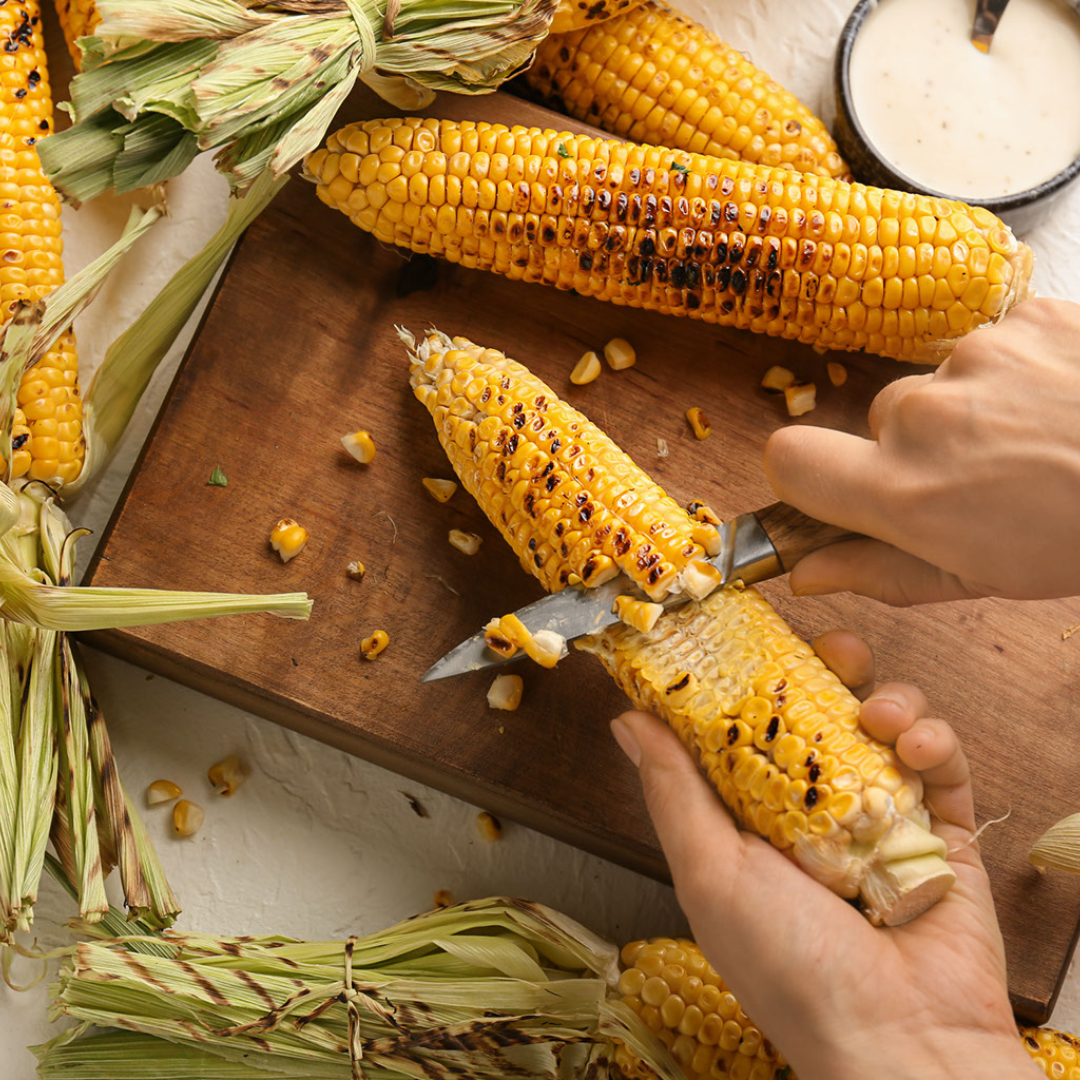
(891, 710)
(931, 748)
(886, 401)
(849, 658)
(880, 571)
(830, 475)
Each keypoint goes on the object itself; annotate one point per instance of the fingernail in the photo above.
(885, 698)
(627, 743)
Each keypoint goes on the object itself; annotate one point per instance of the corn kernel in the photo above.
(640, 614)
(505, 692)
(489, 827)
(466, 543)
(162, 791)
(699, 423)
(444, 898)
(227, 775)
(800, 399)
(661, 448)
(545, 647)
(288, 539)
(371, 646)
(361, 445)
(187, 818)
(837, 373)
(700, 579)
(356, 570)
(440, 490)
(777, 379)
(586, 369)
(619, 354)
(495, 638)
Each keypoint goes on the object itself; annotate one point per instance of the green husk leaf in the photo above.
(218, 478)
(131, 360)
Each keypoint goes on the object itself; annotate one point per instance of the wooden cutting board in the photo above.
(298, 347)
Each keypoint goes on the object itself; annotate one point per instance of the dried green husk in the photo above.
(490, 989)
(260, 82)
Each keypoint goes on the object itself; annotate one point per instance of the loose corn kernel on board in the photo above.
(299, 348)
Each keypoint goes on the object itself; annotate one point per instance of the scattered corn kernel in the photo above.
(440, 490)
(699, 423)
(444, 898)
(640, 614)
(505, 692)
(619, 354)
(699, 511)
(801, 399)
(661, 448)
(371, 646)
(837, 373)
(546, 648)
(467, 543)
(288, 539)
(700, 579)
(227, 775)
(162, 791)
(187, 818)
(586, 369)
(495, 639)
(356, 570)
(361, 445)
(513, 630)
(489, 826)
(778, 379)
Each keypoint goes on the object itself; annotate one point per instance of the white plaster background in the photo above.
(318, 843)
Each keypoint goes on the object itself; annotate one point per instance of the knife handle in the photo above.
(794, 535)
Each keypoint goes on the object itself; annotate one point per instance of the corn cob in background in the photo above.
(47, 433)
(529, 987)
(775, 731)
(655, 76)
(830, 264)
(77, 19)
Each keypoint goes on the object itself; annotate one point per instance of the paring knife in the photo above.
(755, 547)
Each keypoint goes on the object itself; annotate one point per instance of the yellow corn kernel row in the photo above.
(47, 435)
(574, 14)
(1057, 1054)
(573, 506)
(689, 1008)
(77, 18)
(656, 76)
(807, 258)
(778, 736)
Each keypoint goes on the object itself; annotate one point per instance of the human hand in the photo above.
(970, 485)
(840, 998)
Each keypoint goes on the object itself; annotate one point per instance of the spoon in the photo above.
(987, 17)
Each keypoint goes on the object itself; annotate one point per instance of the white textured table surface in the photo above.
(317, 843)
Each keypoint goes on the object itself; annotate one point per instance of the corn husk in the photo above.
(488, 989)
(1059, 846)
(260, 82)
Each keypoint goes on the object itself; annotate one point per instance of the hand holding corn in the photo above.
(842, 999)
(970, 484)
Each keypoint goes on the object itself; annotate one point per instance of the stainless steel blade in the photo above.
(747, 555)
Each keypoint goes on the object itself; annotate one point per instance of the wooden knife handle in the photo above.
(794, 535)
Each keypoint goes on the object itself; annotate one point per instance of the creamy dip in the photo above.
(962, 122)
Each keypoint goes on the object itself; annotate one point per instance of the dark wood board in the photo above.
(298, 347)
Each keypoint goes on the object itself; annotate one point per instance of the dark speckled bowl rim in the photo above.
(846, 104)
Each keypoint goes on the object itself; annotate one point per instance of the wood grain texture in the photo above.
(298, 347)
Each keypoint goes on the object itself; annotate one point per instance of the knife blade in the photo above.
(754, 547)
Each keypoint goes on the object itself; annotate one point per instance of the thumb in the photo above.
(880, 571)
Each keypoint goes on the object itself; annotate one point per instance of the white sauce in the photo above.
(957, 120)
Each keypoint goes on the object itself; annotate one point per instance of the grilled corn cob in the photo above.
(655, 76)
(775, 731)
(830, 264)
(47, 436)
(1057, 1054)
(573, 14)
(570, 503)
(688, 1007)
(77, 18)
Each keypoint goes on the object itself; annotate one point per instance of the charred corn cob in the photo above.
(77, 18)
(570, 503)
(1057, 1054)
(688, 1007)
(656, 76)
(573, 14)
(47, 436)
(830, 264)
(775, 731)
